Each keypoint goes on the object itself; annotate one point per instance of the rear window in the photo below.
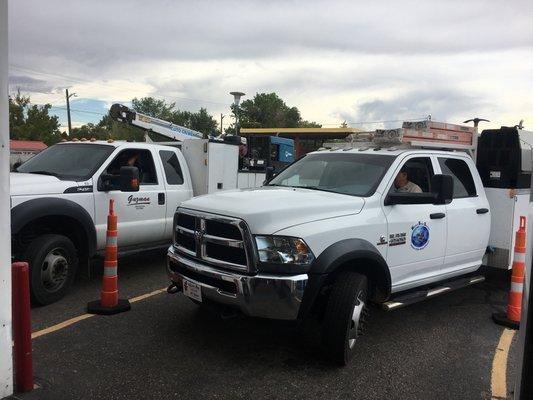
(463, 183)
(172, 167)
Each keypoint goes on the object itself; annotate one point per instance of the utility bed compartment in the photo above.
(504, 162)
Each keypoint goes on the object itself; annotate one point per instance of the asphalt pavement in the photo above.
(167, 347)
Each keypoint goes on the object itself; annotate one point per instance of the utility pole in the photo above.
(68, 109)
(221, 126)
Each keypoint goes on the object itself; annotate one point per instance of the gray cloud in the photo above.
(321, 56)
(29, 84)
(442, 104)
(103, 33)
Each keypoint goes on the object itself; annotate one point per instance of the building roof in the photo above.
(27, 145)
(298, 131)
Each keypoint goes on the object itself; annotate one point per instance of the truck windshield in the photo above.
(76, 162)
(344, 173)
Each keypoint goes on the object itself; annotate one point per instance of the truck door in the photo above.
(416, 232)
(468, 217)
(178, 188)
(141, 217)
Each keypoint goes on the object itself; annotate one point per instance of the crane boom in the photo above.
(172, 131)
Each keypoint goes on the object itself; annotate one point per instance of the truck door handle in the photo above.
(161, 198)
(437, 215)
(482, 210)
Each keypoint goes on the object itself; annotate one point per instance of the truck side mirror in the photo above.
(442, 186)
(269, 174)
(129, 179)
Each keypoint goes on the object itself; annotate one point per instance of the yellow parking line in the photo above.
(71, 321)
(145, 296)
(61, 325)
(498, 384)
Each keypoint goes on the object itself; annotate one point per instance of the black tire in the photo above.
(339, 330)
(53, 262)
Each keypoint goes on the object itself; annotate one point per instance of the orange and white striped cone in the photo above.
(109, 302)
(511, 319)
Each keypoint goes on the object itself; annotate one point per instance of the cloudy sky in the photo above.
(357, 61)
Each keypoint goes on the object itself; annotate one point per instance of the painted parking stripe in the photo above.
(498, 384)
(79, 318)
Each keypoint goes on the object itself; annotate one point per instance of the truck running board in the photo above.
(415, 297)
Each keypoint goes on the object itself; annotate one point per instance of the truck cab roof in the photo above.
(116, 144)
(391, 151)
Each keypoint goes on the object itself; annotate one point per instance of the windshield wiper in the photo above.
(315, 188)
(44, 173)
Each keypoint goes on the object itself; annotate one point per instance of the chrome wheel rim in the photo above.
(355, 322)
(54, 270)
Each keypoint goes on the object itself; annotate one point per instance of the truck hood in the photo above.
(267, 210)
(29, 184)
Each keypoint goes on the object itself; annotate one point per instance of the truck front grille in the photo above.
(221, 241)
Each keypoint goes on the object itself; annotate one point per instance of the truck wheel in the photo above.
(53, 262)
(344, 316)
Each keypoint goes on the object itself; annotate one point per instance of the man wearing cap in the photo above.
(402, 184)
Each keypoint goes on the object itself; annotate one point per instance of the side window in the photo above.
(463, 183)
(142, 159)
(172, 167)
(414, 176)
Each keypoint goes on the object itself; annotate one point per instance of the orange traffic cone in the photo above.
(109, 302)
(514, 307)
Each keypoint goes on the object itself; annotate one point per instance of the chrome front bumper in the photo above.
(262, 295)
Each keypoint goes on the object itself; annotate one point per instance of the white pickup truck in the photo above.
(331, 233)
(60, 197)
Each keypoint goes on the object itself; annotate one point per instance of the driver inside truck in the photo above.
(126, 159)
(402, 184)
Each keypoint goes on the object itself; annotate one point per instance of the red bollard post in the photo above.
(22, 356)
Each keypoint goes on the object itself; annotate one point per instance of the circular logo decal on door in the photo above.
(419, 236)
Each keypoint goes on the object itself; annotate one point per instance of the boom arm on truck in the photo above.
(167, 129)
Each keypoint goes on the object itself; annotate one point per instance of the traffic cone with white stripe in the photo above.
(511, 319)
(109, 302)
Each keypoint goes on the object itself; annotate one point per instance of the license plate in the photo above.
(192, 290)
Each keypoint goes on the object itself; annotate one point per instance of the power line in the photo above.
(76, 110)
(81, 80)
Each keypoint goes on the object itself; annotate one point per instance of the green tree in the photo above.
(153, 107)
(201, 121)
(309, 124)
(268, 110)
(32, 122)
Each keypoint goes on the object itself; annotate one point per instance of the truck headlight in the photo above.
(283, 250)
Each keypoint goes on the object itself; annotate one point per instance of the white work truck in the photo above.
(332, 232)
(60, 198)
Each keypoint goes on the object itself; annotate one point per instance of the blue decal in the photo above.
(419, 236)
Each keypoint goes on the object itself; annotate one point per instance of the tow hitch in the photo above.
(173, 288)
